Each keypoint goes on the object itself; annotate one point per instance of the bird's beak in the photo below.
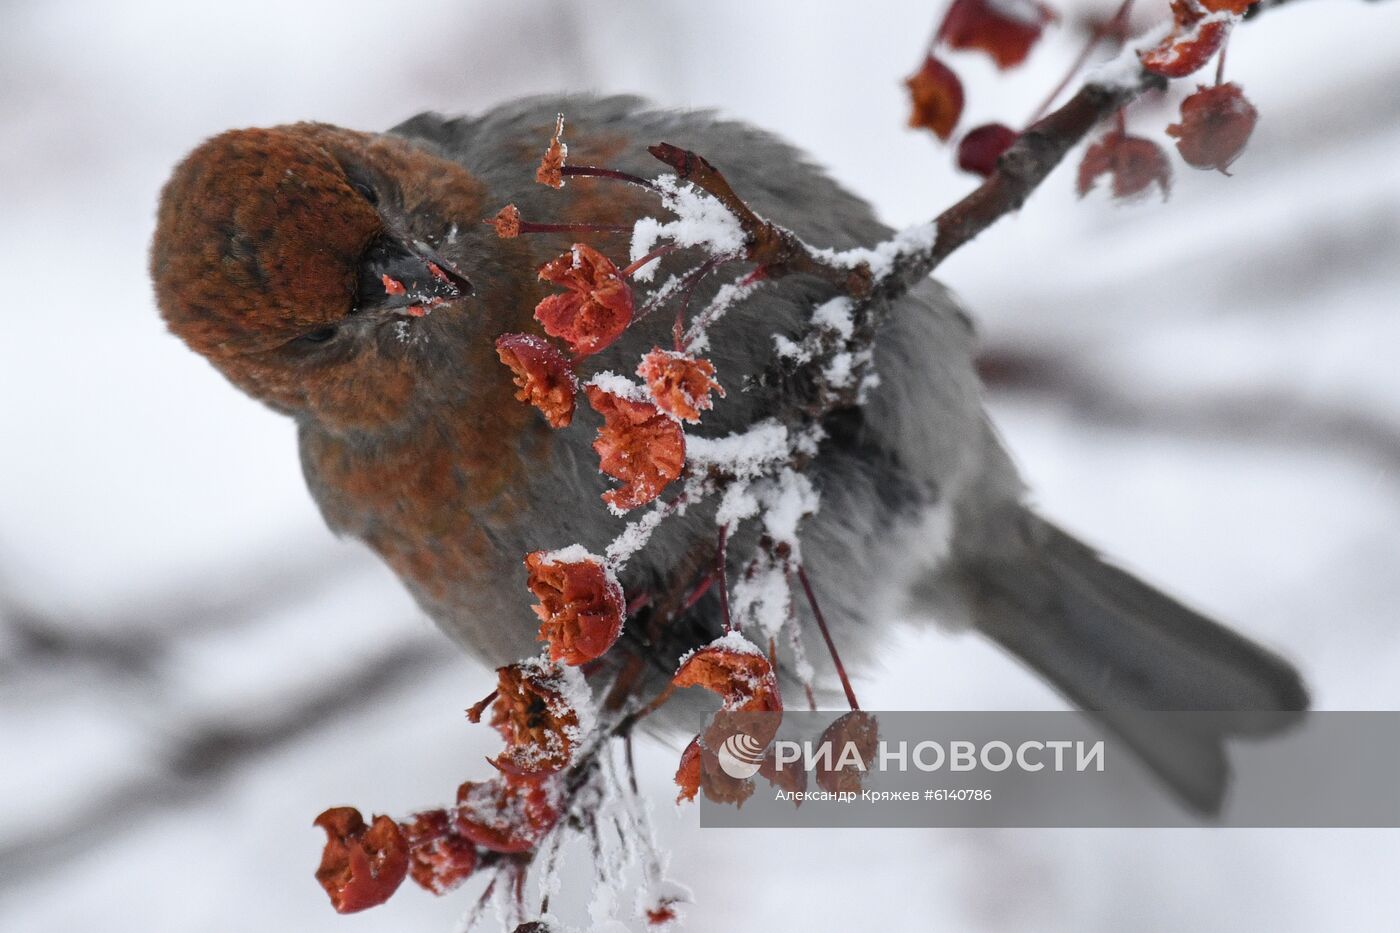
(399, 276)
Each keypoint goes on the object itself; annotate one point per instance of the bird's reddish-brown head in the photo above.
(298, 259)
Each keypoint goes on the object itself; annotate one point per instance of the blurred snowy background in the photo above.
(191, 668)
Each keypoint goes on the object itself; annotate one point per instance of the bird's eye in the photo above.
(318, 336)
(366, 192)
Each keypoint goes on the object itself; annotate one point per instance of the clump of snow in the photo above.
(645, 234)
(808, 440)
(786, 500)
(838, 370)
(836, 315)
(763, 595)
(729, 641)
(735, 641)
(745, 454)
(845, 361)
(1125, 69)
(701, 220)
(910, 241)
(573, 554)
(788, 350)
(736, 505)
(620, 386)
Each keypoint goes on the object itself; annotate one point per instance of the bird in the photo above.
(270, 258)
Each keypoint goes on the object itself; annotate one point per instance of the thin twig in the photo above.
(665, 249)
(774, 248)
(1110, 27)
(826, 634)
(597, 171)
(721, 574)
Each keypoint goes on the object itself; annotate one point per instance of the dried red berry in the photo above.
(506, 816)
(638, 445)
(718, 785)
(853, 739)
(661, 916)
(580, 604)
(790, 777)
(981, 147)
(597, 307)
(1237, 7)
(1004, 29)
(507, 222)
(680, 384)
(688, 772)
(534, 715)
(736, 671)
(439, 858)
(1132, 162)
(936, 96)
(542, 374)
(1195, 37)
(551, 170)
(361, 866)
(1216, 123)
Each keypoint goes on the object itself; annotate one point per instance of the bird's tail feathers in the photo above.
(1114, 645)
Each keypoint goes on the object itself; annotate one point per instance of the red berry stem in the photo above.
(686, 287)
(529, 227)
(701, 588)
(826, 634)
(663, 250)
(708, 315)
(597, 171)
(479, 707)
(688, 291)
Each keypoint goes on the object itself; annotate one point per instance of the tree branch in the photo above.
(776, 250)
